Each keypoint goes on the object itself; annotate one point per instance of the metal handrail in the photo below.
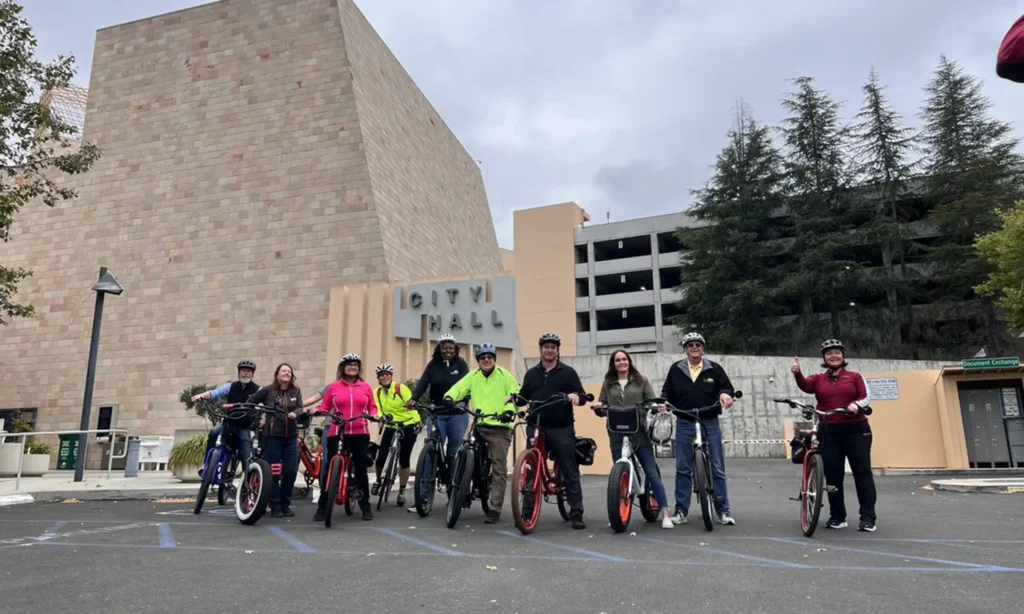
(110, 461)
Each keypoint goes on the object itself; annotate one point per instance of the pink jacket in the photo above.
(349, 400)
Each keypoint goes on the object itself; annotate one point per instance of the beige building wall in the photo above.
(546, 278)
(239, 184)
(508, 259)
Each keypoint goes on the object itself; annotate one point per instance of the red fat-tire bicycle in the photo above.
(259, 476)
(340, 491)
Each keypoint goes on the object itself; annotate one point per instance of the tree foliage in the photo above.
(36, 145)
(1003, 250)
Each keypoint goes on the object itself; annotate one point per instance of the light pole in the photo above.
(106, 284)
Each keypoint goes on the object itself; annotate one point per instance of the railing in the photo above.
(110, 461)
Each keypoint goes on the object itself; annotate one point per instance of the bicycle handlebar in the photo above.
(537, 405)
(256, 407)
(602, 409)
(338, 420)
(808, 410)
(737, 394)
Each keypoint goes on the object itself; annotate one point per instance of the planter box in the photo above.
(187, 473)
(9, 459)
(35, 465)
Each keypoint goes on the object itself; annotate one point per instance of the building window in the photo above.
(10, 416)
(628, 247)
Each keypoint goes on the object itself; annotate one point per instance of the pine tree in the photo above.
(883, 146)
(825, 276)
(728, 286)
(973, 169)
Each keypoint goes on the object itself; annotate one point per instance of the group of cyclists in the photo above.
(694, 382)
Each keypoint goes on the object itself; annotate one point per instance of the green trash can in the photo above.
(67, 452)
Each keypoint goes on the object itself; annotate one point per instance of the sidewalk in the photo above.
(59, 486)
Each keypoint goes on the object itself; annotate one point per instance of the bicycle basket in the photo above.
(371, 453)
(798, 446)
(623, 421)
(660, 428)
(585, 449)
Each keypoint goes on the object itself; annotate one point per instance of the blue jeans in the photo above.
(685, 433)
(237, 438)
(451, 429)
(646, 457)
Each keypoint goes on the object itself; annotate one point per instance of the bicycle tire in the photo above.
(700, 483)
(258, 474)
(225, 486)
(425, 504)
(810, 508)
(387, 477)
(483, 480)
(333, 484)
(523, 484)
(209, 470)
(560, 498)
(460, 486)
(620, 500)
(649, 507)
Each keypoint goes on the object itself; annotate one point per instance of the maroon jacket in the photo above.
(836, 392)
(1010, 60)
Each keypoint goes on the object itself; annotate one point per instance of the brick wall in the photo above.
(232, 195)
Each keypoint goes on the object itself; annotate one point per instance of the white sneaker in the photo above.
(666, 522)
(726, 519)
(679, 518)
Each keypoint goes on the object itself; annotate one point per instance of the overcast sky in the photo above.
(621, 105)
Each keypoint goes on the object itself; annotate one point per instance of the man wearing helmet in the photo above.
(237, 434)
(490, 387)
(843, 436)
(691, 383)
(548, 377)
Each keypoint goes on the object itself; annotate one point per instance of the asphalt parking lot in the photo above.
(934, 552)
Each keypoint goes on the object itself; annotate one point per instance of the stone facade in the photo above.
(256, 154)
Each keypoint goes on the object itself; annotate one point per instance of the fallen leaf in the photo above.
(492, 568)
(822, 549)
(250, 552)
(633, 534)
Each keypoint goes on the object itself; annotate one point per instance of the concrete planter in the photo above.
(187, 473)
(9, 459)
(34, 465)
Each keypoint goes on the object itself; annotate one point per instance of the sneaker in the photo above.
(287, 512)
(666, 522)
(400, 501)
(493, 517)
(318, 516)
(679, 518)
(367, 514)
(726, 519)
(836, 524)
(578, 524)
(375, 489)
(276, 513)
(412, 509)
(867, 526)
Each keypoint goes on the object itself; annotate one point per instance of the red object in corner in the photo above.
(1010, 60)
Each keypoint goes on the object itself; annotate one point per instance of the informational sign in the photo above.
(475, 311)
(883, 388)
(1010, 402)
(990, 363)
(67, 452)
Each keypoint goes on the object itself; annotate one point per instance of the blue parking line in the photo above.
(166, 537)
(900, 556)
(295, 543)
(588, 553)
(56, 527)
(748, 557)
(419, 542)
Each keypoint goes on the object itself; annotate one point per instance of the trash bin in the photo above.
(131, 461)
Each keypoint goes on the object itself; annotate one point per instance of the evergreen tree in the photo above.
(883, 146)
(973, 169)
(825, 276)
(728, 287)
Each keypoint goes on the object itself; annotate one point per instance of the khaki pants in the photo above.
(498, 441)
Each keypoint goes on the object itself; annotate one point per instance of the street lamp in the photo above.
(106, 284)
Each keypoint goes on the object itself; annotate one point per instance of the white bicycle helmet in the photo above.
(688, 337)
(350, 357)
(660, 428)
(385, 368)
(446, 338)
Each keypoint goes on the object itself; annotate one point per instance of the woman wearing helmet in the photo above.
(624, 386)
(391, 397)
(844, 436)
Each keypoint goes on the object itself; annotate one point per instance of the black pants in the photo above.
(404, 451)
(849, 441)
(561, 444)
(359, 447)
(284, 450)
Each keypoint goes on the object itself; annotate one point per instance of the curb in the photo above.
(995, 486)
(8, 500)
(969, 473)
(111, 495)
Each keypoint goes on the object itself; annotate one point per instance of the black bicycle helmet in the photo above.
(832, 344)
(550, 338)
(247, 364)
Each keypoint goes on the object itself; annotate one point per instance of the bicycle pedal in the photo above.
(831, 489)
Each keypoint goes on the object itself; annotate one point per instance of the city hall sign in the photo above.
(475, 311)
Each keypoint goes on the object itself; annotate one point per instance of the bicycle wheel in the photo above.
(649, 507)
(254, 495)
(460, 485)
(620, 500)
(813, 489)
(483, 479)
(560, 499)
(209, 470)
(526, 489)
(425, 485)
(702, 487)
(333, 484)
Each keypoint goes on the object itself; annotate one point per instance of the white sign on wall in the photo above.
(883, 389)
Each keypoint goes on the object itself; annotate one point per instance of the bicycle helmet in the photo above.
(385, 368)
(550, 338)
(350, 357)
(688, 337)
(247, 364)
(832, 344)
(660, 427)
(485, 348)
(446, 338)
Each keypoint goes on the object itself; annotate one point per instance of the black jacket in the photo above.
(291, 401)
(540, 384)
(440, 375)
(240, 393)
(684, 393)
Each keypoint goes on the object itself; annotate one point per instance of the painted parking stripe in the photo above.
(747, 557)
(419, 542)
(588, 553)
(898, 555)
(295, 543)
(166, 536)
